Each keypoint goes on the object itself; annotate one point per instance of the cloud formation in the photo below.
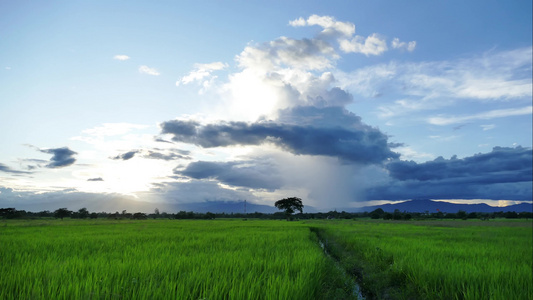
(487, 115)
(331, 27)
(504, 173)
(197, 191)
(62, 157)
(288, 97)
(304, 54)
(95, 179)
(171, 154)
(6, 169)
(156, 153)
(410, 46)
(149, 71)
(344, 33)
(372, 45)
(121, 57)
(287, 72)
(361, 143)
(250, 174)
(488, 127)
(501, 165)
(405, 190)
(500, 76)
(200, 72)
(126, 156)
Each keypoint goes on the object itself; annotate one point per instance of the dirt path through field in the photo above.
(355, 288)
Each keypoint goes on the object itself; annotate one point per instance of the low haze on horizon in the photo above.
(340, 104)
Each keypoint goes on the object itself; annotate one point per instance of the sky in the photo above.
(340, 103)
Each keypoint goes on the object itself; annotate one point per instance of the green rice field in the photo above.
(436, 260)
(264, 259)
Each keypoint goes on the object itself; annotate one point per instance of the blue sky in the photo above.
(341, 104)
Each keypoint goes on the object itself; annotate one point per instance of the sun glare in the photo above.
(131, 177)
(251, 97)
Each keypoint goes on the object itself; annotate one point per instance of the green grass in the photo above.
(160, 260)
(430, 260)
(236, 259)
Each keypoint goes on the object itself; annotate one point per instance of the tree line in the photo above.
(461, 214)
(83, 213)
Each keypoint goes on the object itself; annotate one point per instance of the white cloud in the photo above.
(493, 88)
(250, 96)
(300, 22)
(287, 72)
(410, 46)
(405, 106)
(201, 71)
(498, 113)
(369, 81)
(494, 76)
(372, 45)
(408, 153)
(148, 70)
(121, 57)
(120, 176)
(488, 127)
(331, 26)
(344, 33)
(266, 85)
(305, 54)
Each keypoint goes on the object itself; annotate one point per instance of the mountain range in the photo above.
(119, 204)
(427, 205)
(413, 206)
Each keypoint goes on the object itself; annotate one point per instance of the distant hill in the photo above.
(431, 206)
(122, 203)
(119, 204)
(224, 207)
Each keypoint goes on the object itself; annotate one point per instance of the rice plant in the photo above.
(159, 260)
(418, 259)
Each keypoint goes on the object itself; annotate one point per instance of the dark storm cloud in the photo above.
(155, 153)
(402, 190)
(172, 155)
(4, 168)
(157, 139)
(31, 164)
(320, 134)
(500, 165)
(126, 156)
(504, 173)
(250, 174)
(185, 128)
(62, 157)
(95, 179)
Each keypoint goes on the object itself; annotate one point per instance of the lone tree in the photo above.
(83, 213)
(62, 213)
(290, 205)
